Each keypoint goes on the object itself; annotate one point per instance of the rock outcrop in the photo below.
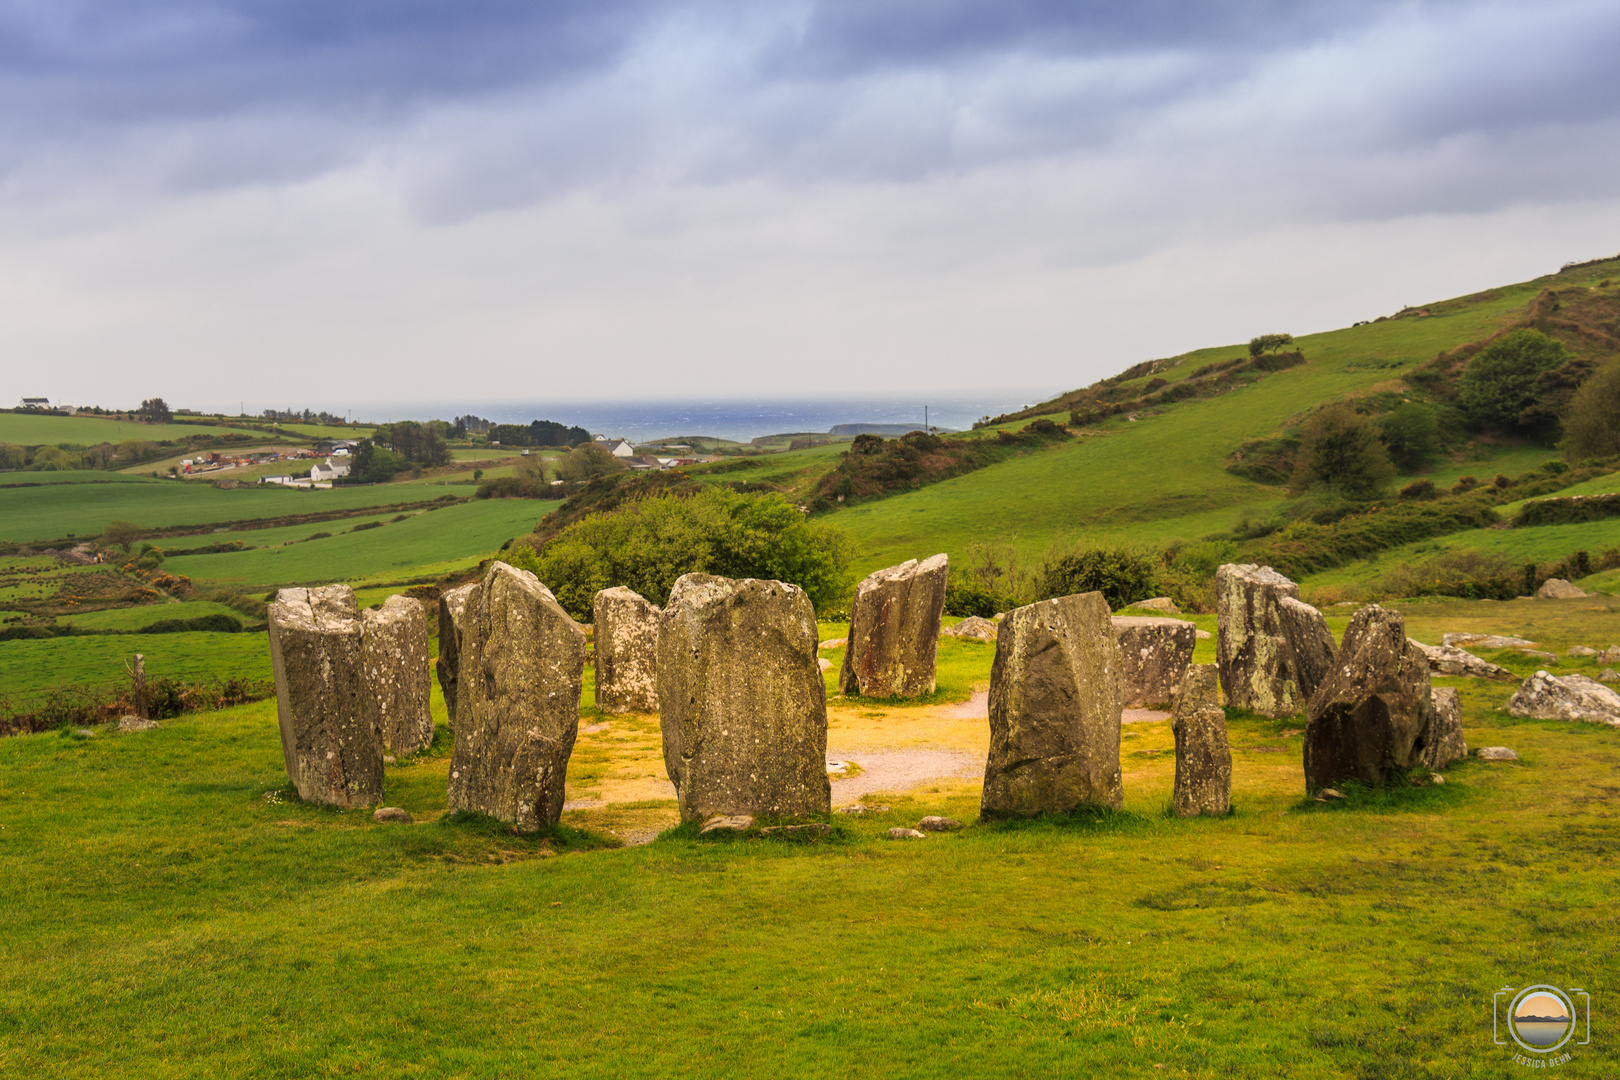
(452, 609)
(626, 651)
(1253, 650)
(1203, 755)
(744, 707)
(1055, 705)
(517, 712)
(1570, 697)
(1446, 743)
(1162, 604)
(332, 749)
(399, 687)
(1154, 654)
(1484, 641)
(1450, 660)
(1310, 643)
(1558, 589)
(1372, 718)
(894, 630)
(973, 628)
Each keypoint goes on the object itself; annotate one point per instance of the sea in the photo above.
(738, 419)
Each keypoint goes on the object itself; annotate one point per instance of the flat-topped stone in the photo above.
(894, 630)
(1450, 660)
(1154, 653)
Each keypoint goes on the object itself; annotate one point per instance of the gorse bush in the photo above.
(647, 544)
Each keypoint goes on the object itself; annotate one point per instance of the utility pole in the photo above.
(926, 430)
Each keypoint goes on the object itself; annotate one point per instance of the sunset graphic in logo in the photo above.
(1541, 1019)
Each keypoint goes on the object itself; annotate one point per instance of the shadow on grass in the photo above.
(1098, 820)
(557, 837)
(836, 832)
(1402, 797)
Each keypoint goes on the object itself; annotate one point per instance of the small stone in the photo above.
(1203, 753)
(728, 823)
(1451, 660)
(824, 663)
(906, 834)
(935, 823)
(1539, 655)
(1445, 743)
(452, 609)
(626, 637)
(1155, 652)
(84, 733)
(1202, 635)
(390, 759)
(394, 652)
(393, 814)
(833, 643)
(1558, 589)
(1436, 778)
(1158, 603)
(972, 628)
(1611, 655)
(1582, 650)
(135, 723)
(1484, 641)
(1329, 795)
(861, 809)
(1608, 674)
(814, 828)
(1496, 753)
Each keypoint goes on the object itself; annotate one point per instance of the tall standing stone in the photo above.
(894, 630)
(1446, 744)
(1252, 647)
(1310, 644)
(331, 747)
(1203, 754)
(1373, 717)
(398, 685)
(452, 609)
(626, 651)
(517, 713)
(744, 707)
(1055, 704)
(1155, 653)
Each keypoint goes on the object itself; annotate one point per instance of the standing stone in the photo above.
(399, 688)
(452, 609)
(1154, 654)
(517, 710)
(1252, 648)
(1055, 704)
(1310, 644)
(1203, 755)
(1572, 697)
(1446, 744)
(626, 651)
(744, 706)
(332, 749)
(1374, 715)
(894, 630)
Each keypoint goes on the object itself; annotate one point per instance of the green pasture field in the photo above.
(31, 429)
(30, 669)
(30, 514)
(134, 618)
(202, 922)
(276, 536)
(322, 431)
(463, 532)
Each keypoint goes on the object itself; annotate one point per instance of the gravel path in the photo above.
(902, 770)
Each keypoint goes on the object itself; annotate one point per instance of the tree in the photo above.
(1340, 449)
(1411, 432)
(416, 443)
(1269, 343)
(1592, 427)
(1500, 381)
(155, 411)
(120, 534)
(12, 456)
(587, 461)
(374, 464)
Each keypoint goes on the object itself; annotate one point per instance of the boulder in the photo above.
(1572, 697)
(1558, 589)
(1496, 753)
(973, 628)
(906, 834)
(824, 664)
(135, 723)
(1611, 655)
(894, 630)
(935, 823)
(1446, 743)
(626, 651)
(331, 747)
(452, 608)
(1162, 604)
(1373, 717)
(1450, 660)
(1252, 650)
(1055, 705)
(1608, 674)
(859, 809)
(395, 815)
(744, 705)
(1203, 755)
(1310, 642)
(834, 643)
(737, 823)
(399, 689)
(1484, 641)
(517, 713)
(1154, 653)
(1582, 650)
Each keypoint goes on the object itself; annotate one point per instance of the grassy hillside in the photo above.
(32, 429)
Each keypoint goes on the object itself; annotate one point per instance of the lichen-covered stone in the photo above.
(894, 630)
(1446, 743)
(1558, 589)
(398, 686)
(1154, 654)
(1203, 754)
(1373, 716)
(522, 666)
(332, 748)
(1252, 649)
(1310, 644)
(1450, 660)
(744, 706)
(626, 651)
(1055, 705)
(972, 628)
(452, 609)
(1571, 697)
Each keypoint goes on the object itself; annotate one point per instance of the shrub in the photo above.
(964, 598)
(1500, 381)
(364, 525)
(1123, 577)
(518, 487)
(1568, 511)
(1419, 490)
(1411, 433)
(1340, 449)
(1464, 484)
(1592, 426)
(1468, 574)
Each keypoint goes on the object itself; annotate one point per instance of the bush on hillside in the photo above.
(586, 462)
(874, 467)
(1592, 425)
(517, 487)
(1411, 434)
(1340, 449)
(1500, 380)
(646, 544)
(1419, 490)
(1468, 574)
(1122, 576)
(1567, 511)
(967, 597)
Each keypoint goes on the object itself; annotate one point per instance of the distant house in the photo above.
(328, 471)
(332, 446)
(621, 448)
(36, 404)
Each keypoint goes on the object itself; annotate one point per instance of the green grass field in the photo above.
(28, 429)
(30, 669)
(134, 618)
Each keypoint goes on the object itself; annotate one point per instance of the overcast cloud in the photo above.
(491, 198)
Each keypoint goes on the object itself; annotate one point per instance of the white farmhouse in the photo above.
(621, 448)
(328, 471)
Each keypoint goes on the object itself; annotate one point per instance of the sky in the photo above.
(318, 202)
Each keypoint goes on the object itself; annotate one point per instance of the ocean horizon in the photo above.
(738, 419)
